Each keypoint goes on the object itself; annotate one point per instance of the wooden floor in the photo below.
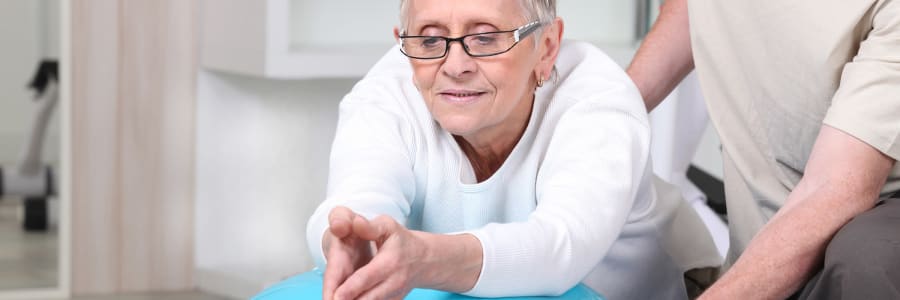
(27, 259)
(157, 296)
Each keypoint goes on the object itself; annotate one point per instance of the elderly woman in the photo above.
(491, 159)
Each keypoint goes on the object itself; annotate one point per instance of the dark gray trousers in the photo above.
(862, 261)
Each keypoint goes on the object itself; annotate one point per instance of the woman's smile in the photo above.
(461, 96)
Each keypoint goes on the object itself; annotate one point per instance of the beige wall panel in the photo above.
(134, 69)
(95, 206)
(159, 68)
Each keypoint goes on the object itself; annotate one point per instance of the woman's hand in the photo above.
(344, 250)
(407, 259)
(391, 274)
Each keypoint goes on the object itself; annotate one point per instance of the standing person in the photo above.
(495, 160)
(805, 96)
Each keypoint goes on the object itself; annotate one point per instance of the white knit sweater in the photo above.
(574, 201)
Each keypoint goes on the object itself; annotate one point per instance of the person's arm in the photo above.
(582, 207)
(849, 163)
(370, 173)
(843, 178)
(402, 259)
(665, 56)
(371, 178)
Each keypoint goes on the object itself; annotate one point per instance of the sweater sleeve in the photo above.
(585, 191)
(370, 167)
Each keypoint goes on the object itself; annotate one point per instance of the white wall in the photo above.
(262, 162)
(603, 21)
(29, 33)
(367, 22)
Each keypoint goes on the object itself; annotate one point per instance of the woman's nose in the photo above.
(458, 63)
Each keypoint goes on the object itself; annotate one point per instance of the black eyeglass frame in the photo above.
(518, 35)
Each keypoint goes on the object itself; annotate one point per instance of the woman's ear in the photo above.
(397, 34)
(551, 39)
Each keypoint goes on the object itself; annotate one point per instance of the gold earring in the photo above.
(540, 82)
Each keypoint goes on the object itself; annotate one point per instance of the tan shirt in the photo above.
(773, 72)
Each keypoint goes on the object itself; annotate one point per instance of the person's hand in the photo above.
(398, 265)
(403, 259)
(344, 250)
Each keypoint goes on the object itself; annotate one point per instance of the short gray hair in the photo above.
(536, 10)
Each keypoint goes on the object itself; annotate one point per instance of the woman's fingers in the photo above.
(340, 266)
(383, 278)
(377, 230)
(345, 255)
(359, 282)
(386, 276)
(340, 221)
(390, 273)
(340, 250)
(387, 289)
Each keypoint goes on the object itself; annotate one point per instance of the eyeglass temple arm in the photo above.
(526, 30)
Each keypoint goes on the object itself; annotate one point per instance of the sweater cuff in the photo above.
(315, 231)
(497, 267)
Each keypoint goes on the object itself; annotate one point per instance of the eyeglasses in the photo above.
(475, 45)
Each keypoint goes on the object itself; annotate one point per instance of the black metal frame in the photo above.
(518, 34)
